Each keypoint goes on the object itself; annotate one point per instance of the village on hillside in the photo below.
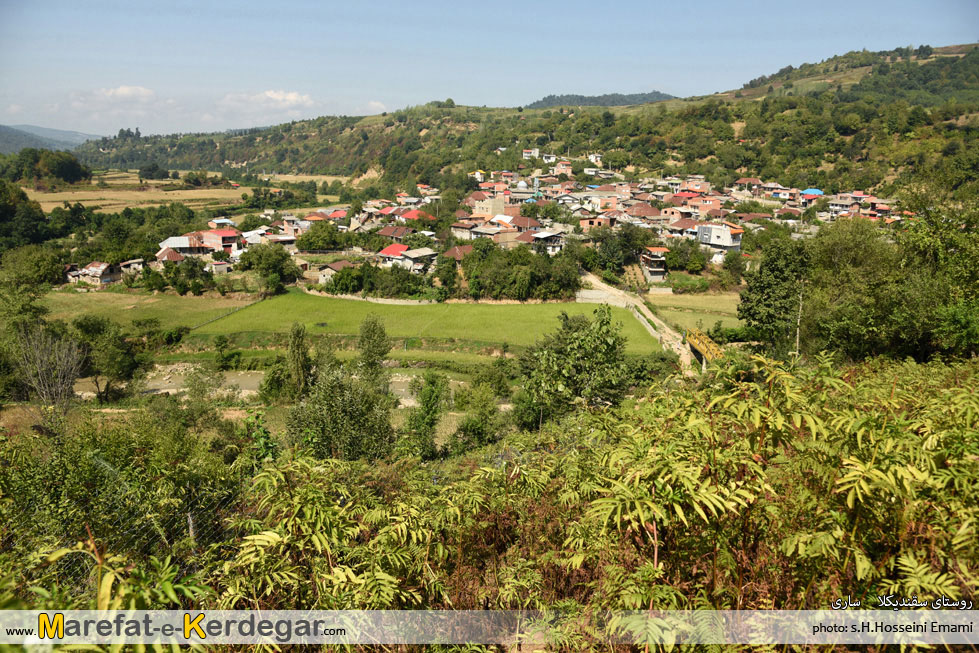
(500, 209)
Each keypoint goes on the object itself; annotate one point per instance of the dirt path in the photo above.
(670, 338)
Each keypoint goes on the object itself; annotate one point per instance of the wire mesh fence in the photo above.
(119, 517)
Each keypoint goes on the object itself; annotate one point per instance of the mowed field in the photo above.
(493, 324)
(124, 307)
(122, 191)
(488, 325)
(685, 311)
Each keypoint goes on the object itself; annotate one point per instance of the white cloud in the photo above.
(14, 109)
(374, 106)
(266, 100)
(128, 93)
(119, 99)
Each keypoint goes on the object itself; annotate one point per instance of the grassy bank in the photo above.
(686, 311)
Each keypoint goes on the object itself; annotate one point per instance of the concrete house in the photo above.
(653, 263)
(96, 273)
(462, 230)
(724, 236)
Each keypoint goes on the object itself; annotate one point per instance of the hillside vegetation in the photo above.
(765, 486)
(901, 115)
(607, 100)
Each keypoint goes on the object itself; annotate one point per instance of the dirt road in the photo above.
(601, 292)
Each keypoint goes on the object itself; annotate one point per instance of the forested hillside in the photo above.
(900, 114)
(14, 140)
(607, 100)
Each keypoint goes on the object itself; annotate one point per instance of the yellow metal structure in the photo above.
(702, 344)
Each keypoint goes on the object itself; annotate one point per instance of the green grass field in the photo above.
(124, 307)
(490, 324)
(446, 327)
(685, 311)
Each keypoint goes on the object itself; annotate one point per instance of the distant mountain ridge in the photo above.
(607, 100)
(14, 138)
(59, 135)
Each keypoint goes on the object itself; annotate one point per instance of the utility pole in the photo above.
(798, 319)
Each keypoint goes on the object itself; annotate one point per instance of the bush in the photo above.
(687, 284)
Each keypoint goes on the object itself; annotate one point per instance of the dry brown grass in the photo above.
(319, 179)
(116, 199)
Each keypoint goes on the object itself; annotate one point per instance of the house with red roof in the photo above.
(395, 233)
(416, 215)
(325, 272)
(747, 183)
(562, 168)
(221, 239)
(391, 253)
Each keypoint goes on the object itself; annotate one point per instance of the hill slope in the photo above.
(14, 140)
(607, 100)
(58, 135)
(871, 122)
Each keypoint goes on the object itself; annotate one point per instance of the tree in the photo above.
(109, 358)
(734, 265)
(270, 260)
(343, 418)
(583, 360)
(417, 436)
(224, 358)
(482, 423)
(374, 345)
(300, 363)
(770, 302)
(49, 364)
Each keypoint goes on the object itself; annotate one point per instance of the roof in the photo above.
(95, 267)
(684, 224)
(339, 265)
(458, 252)
(224, 233)
(415, 214)
(394, 250)
(387, 210)
(525, 237)
(524, 222)
(462, 225)
(338, 213)
(392, 231)
(812, 191)
(421, 252)
(658, 250)
(167, 254)
(642, 209)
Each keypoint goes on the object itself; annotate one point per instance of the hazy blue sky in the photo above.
(98, 65)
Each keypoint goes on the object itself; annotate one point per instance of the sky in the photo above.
(96, 66)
